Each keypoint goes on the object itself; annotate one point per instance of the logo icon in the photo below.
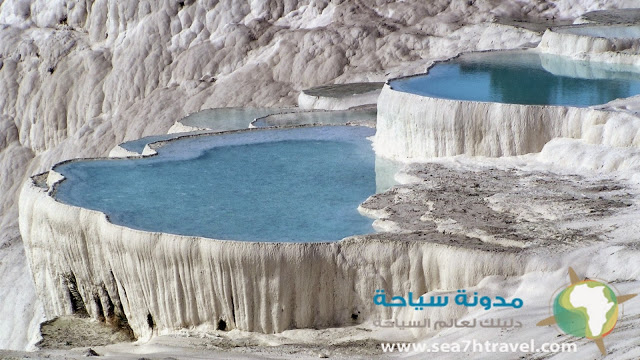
(586, 309)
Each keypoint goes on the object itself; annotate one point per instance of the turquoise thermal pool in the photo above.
(210, 120)
(286, 185)
(222, 119)
(138, 145)
(524, 77)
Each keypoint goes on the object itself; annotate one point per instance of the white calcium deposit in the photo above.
(181, 282)
(163, 283)
(306, 101)
(608, 44)
(77, 78)
(419, 127)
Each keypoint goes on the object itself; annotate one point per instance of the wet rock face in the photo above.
(507, 207)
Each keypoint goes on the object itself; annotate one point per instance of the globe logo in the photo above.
(586, 309)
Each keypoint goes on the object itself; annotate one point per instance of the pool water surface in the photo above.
(524, 77)
(289, 185)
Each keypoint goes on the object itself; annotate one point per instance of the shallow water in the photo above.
(218, 119)
(524, 78)
(223, 119)
(335, 117)
(604, 31)
(138, 145)
(293, 185)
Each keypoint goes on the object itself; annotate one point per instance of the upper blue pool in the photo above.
(288, 185)
(210, 120)
(524, 77)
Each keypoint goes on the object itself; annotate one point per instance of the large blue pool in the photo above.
(524, 77)
(290, 185)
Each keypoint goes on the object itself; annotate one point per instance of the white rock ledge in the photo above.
(416, 127)
(339, 96)
(413, 127)
(609, 44)
(172, 281)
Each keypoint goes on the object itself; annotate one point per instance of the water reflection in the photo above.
(525, 78)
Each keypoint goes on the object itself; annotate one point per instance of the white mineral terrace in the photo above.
(162, 282)
(493, 197)
(413, 127)
(174, 281)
